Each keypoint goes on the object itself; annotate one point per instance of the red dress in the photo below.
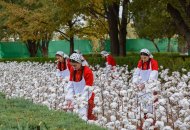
(146, 65)
(89, 79)
(64, 65)
(110, 60)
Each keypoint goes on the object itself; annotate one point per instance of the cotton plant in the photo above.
(117, 105)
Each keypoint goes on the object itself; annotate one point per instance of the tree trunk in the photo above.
(32, 46)
(187, 37)
(113, 14)
(71, 37)
(71, 45)
(169, 41)
(44, 47)
(123, 29)
(157, 48)
(122, 41)
(180, 23)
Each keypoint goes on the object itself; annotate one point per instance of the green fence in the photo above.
(19, 49)
(84, 46)
(135, 45)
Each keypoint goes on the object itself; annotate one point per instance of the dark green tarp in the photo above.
(19, 49)
(135, 45)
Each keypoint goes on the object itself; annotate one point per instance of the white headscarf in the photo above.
(147, 52)
(76, 57)
(77, 51)
(104, 53)
(60, 53)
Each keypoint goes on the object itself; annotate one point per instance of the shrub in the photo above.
(173, 61)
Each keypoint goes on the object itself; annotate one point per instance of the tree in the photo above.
(180, 12)
(30, 20)
(149, 23)
(70, 18)
(109, 9)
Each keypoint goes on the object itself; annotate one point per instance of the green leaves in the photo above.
(151, 19)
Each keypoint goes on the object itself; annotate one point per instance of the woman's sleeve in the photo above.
(154, 72)
(89, 79)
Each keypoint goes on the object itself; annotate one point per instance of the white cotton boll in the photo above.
(182, 112)
(96, 100)
(178, 123)
(164, 119)
(184, 103)
(84, 118)
(53, 95)
(161, 109)
(113, 118)
(125, 99)
(46, 103)
(184, 70)
(114, 105)
(150, 115)
(97, 90)
(159, 124)
(123, 92)
(52, 89)
(125, 121)
(103, 120)
(97, 110)
(167, 128)
(131, 115)
(99, 104)
(162, 102)
(91, 122)
(110, 127)
(172, 99)
(131, 127)
(110, 124)
(110, 112)
(117, 124)
(147, 123)
(187, 119)
(184, 127)
(105, 93)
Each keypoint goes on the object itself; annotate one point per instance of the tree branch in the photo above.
(63, 34)
(96, 13)
(186, 7)
(178, 19)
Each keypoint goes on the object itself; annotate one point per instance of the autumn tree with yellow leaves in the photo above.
(30, 21)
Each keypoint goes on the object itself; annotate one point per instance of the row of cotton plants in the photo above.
(117, 104)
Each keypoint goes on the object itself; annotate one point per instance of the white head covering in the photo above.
(77, 51)
(104, 53)
(147, 52)
(76, 57)
(66, 56)
(60, 53)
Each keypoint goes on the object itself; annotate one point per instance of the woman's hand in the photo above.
(69, 104)
(141, 86)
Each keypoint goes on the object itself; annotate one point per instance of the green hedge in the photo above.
(172, 61)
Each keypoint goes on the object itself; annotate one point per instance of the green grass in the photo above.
(20, 114)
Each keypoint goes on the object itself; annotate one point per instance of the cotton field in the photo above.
(118, 105)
